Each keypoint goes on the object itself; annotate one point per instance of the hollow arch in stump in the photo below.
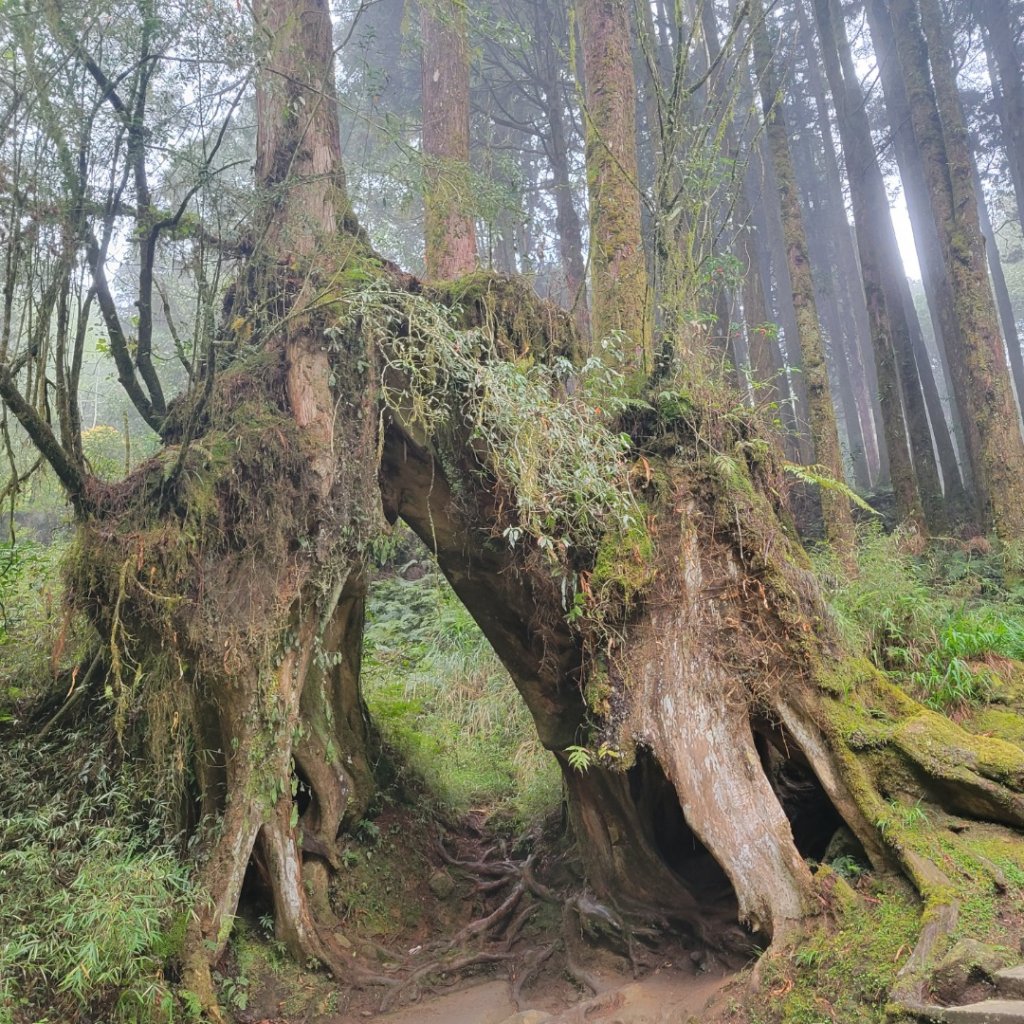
(729, 649)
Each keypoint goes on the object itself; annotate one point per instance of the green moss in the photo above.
(514, 319)
(997, 722)
(844, 677)
(626, 563)
(844, 970)
(949, 750)
(598, 694)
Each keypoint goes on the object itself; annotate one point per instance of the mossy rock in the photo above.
(967, 962)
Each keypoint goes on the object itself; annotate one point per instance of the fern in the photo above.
(819, 476)
(580, 758)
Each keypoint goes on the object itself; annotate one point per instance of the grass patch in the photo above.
(942, 624)
(444, 702)
(844, 971)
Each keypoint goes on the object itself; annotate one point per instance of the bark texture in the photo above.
(821, 412)
(448, 193)
(621, 298)
(703, 657)
(1003, 44)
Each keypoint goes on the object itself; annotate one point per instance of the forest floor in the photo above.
(406, 891)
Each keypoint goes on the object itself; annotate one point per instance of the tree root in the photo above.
(413, 983)
(520, 894)
(531, 967)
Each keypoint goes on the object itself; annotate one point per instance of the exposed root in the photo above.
(583, 978)
(520, 894)
(485, 925)
(414, 982)
(530, 968)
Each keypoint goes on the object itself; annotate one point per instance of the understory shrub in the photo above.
(444, 702)
(92, 903)
(939, 622)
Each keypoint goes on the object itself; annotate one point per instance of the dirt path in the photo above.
(669, 995)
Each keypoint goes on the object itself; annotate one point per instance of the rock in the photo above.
(441, 884)
(528, 1017)
(1010, 983)
(842, 844)
(966, 962)
(991, 1011)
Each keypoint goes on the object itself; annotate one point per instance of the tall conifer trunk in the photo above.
(885, 309)
(621, 295)
(1003, 45)
(980, 374)
(448, 193)
(835, 506)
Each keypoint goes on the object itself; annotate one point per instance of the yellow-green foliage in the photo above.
(626, 563)
(934, 621)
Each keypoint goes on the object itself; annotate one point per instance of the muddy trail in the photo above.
(458, 925)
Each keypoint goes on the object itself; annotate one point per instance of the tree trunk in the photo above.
(835, 506)
(567, 220)
(230, 565)
(956, 471)
(1003, 47)
(762, 325)
(450, 227)
(980, 375)
(621, 299)
(702, 661)
(885, 307)
(1007, 317)
(916, 378)
(850, 332)
(692, 724)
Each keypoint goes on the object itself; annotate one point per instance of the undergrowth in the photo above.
(441, 698)
(37, 639)
(821, 982)
(943, 623)
(93, 902)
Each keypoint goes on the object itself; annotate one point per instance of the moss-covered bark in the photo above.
(705, 661)
(450, 227)
(637, 620)
(226, 573)
(621, 296)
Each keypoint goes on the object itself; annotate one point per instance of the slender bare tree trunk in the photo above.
(870, 213)
(948, 433)
(1003, 47)
(832, 246)
(567, 219)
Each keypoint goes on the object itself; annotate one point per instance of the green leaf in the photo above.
(821, 477)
